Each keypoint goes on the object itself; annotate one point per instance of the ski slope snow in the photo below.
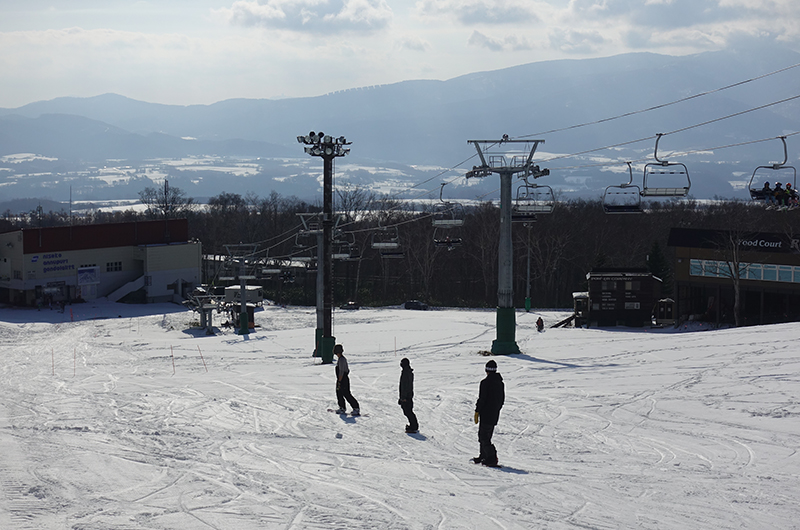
(129, 417)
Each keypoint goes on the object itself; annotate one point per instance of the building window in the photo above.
(633, 286)
(17, 275)
(711, 268)
(797, 275)
(770, 273)
(113, 266)
(608, 286)
(696, 267)
(754, 271)
(784, 273)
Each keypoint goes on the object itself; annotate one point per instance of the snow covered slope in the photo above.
(111, 417)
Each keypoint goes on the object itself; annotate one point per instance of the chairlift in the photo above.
(446, 240)
(532, 199)
(661, 171)
(756, 193)
(385, 239)
(624, 198)
(447, 214)
(344, 247)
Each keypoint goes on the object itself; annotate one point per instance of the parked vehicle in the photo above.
(349, 306)
(416, 304)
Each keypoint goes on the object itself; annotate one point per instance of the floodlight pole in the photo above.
(505, 343)
(328, 148)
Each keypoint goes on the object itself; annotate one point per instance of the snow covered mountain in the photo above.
(416, 124)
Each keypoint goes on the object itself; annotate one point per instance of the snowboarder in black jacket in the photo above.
(491, 397)
(406, 400)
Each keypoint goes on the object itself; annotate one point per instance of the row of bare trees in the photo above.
(562, 247)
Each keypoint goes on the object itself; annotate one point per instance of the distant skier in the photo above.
(540, 325)
(406, 400)
(491, 397)
(343, 383)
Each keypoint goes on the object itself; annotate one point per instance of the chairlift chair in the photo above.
(447, 214)
(532, 199)
(660, 171)
(756, 193)
(344, 247)
(446, 240)
(624, 198)
(385, 239)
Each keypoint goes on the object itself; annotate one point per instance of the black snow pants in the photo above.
(343, 393)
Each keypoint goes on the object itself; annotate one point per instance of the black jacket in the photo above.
(491, 397)
(407, 384)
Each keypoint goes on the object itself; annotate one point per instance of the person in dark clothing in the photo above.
(406, 400)
(778, 192)
(540, 324)
(491, 397)
(343, 383)
(769, 197)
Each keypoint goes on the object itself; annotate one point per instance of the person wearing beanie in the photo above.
(343, 383)
(491, 397)
(406, 400)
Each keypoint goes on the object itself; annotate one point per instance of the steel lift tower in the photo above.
(328, 148)
(506, 157)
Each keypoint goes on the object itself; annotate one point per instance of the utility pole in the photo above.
(328, 148)
(501, 157)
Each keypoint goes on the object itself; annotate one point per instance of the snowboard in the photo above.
(348, 413)
(475, 461)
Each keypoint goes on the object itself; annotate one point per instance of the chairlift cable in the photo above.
(663, 105)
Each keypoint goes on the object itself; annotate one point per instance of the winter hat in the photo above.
(491, 366)
(404, 362)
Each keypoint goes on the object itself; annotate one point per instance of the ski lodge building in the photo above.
(141, 261)
(769, 266)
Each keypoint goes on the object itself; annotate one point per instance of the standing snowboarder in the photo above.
(406, 400)
(343, 383)
(491, 397)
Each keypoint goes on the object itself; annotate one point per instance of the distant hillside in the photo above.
(429, 122)
(71, 137)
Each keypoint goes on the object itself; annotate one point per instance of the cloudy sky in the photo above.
(203, 51)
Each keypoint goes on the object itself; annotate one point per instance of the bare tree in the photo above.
(166, 202)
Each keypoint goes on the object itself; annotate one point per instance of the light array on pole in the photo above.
(320, 144)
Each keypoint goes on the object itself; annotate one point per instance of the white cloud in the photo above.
(326, 16)
(507, 43)
(573, 41)
(414, 43)
(476, 12)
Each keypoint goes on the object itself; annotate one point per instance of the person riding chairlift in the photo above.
(769, 198)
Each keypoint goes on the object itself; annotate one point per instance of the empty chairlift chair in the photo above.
(447, 217)
(665, 179)
(386, 240)
(771, 174)
(625, 198)
(532, 200)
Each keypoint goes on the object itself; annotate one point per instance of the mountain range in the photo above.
(418, 127)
